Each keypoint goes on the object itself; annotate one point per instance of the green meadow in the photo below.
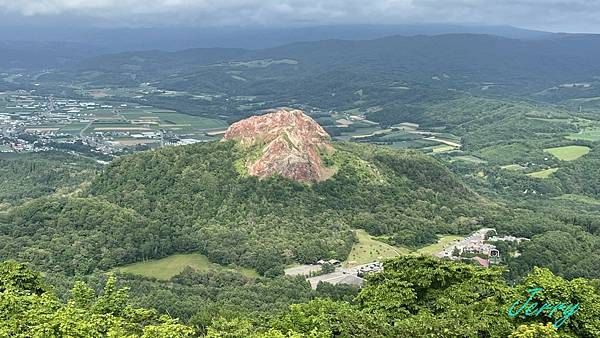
(166, 268)
(592, 135)
(543, 173)
(469, 158)
(443, 241)
(442, 148)
(170, 118)
(369, 249)
(514, 167)
(568, 153)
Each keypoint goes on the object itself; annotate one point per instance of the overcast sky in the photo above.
(551, 15)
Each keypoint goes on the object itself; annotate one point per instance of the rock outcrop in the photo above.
(289, 143)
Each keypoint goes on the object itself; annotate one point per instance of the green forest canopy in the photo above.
(413, 297)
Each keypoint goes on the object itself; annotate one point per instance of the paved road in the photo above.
(84, 129)
(332, 278)
(337, 275)
(302, 270)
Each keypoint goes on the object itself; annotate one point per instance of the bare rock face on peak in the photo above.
(289, 144)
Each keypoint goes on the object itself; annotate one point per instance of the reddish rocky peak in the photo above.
(289, 142)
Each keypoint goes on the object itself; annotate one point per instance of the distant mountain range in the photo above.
(446, 61)
(50, 46)
(43, 54)
(172, 38)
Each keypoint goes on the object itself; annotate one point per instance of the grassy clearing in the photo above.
(586, 99)
(124, 128)
(369, 131)
(133, 142)
(369, 249)
(170, 266)
(4, 208)
(167, 118)
(469, 158)
(443, 241)
(578, 198)
(568, 153)
(592, 135)
(514, 167)
(374, 109)
(543, 173)
(262, 63)
(504, 153)
(442, 148)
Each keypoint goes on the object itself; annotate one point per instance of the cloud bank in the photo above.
(556, 15)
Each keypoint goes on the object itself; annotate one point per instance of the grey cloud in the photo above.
(568, 15)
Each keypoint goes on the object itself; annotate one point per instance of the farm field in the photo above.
(170, 266)
(543, 173)
(41, 129)
(146, 120)
(415, 144)
(469, 158)
(442, 242)
(362, 110)
(592, 135)
(119, 127)
(166, 118)
(369, 249)
(132, 142)
(366, 132)
(260, 63)
(134, 119)
(400, 135)
(442, 148)
(568, 153)
(73, 128)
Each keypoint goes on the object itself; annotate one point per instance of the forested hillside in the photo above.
(299, 169)
(582, 175)
(413, 297)
(433, 137)
(34, 175)
(265, 224)
(31, 309)
(193, 199)
(418, 58)
(421, 297)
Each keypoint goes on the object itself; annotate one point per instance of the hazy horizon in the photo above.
(569, 16)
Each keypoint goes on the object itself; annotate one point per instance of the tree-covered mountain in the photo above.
(118, 39)
(195, 199)
(398, 73)
(481, 91)
(34, 175)
(460, 60)
(201, 199)
(35, 55)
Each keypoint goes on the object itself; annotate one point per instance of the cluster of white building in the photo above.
(477, 243)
